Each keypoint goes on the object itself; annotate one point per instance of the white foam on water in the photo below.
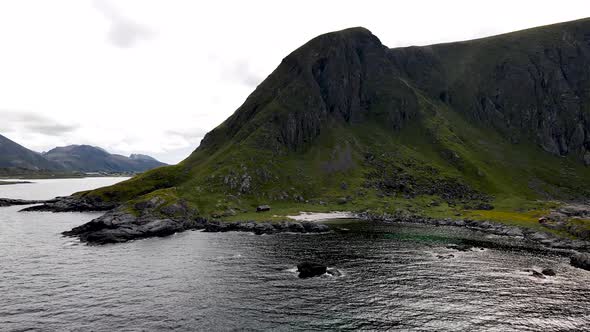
(321, 216)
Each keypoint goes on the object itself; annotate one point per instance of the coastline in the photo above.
(119, 224)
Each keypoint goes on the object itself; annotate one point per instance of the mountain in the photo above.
(15, 156)
(495, 128)
(86, 158)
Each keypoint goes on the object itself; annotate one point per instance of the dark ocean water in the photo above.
(392, 279)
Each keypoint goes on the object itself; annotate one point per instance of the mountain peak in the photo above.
(333, 43)
(330, 78)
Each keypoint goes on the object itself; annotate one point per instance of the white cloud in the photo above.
(123, 31)
(127, 74)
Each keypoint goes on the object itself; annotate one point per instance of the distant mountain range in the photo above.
(72, 158)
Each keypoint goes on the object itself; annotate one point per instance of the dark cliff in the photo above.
(532, 85)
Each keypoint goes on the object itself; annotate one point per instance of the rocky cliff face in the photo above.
(532, 85)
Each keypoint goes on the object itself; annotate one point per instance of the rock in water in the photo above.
(581, 261)
(538, 275)
(308, 270)
(263, 208)
(548, 272)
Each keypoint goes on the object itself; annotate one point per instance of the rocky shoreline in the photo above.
(548, 240)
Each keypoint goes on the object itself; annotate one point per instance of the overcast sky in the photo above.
(141, 76)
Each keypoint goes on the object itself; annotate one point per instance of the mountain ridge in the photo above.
(18, 160)
(86, 158)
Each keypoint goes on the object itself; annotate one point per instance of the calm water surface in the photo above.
(392, 279)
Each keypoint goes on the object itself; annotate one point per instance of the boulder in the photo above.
(309, 270)
(548, 272)
(263, 208)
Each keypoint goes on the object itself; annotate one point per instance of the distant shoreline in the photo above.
(14, 178)
(3, 183)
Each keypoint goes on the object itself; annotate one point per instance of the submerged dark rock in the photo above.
(309, 270)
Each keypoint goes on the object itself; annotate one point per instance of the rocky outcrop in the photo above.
(120, 226)
(72, 204)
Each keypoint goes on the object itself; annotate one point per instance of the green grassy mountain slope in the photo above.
(346, 123)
